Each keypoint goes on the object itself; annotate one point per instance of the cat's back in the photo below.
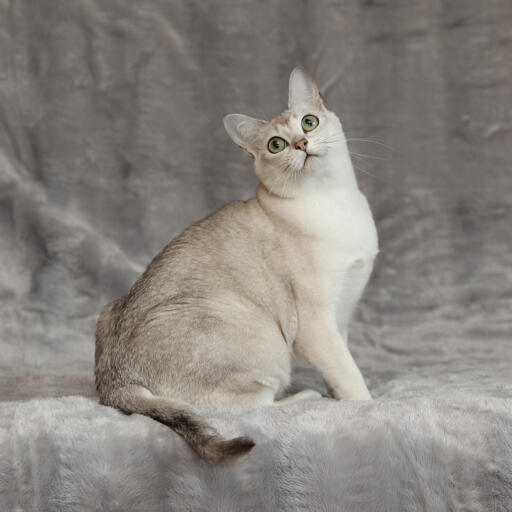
(221, 242)
(224, 253)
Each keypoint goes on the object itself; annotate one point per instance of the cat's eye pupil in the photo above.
(275, 143)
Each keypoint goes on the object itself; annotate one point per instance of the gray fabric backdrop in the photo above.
(111, 142)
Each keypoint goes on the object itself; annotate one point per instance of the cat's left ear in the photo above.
(244, 131)
(303, 92)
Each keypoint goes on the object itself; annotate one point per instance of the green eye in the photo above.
(309, 122)
(276, 144)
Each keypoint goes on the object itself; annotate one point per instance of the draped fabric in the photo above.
(111, 143)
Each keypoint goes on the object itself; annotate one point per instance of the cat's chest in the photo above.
(350, 249)
(341, 228)
(339, 247)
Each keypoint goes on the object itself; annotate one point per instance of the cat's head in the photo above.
(301, 145)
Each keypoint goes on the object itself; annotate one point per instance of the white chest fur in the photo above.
(340, 224)
(336, 243)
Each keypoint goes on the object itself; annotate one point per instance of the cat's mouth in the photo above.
(309, 157)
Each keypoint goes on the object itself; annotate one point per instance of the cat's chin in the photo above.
(310, 161)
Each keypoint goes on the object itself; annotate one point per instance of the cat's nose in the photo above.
(301, 144)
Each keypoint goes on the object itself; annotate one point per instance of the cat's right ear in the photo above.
(244, 131)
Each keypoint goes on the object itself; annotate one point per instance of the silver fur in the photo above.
(219, 314)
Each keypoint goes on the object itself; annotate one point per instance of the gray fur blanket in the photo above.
(436, 439)
(111, 143)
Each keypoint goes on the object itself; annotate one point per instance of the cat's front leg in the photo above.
(322, 345)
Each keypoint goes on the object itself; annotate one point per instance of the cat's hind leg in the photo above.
(265, 396)
(306, 394)
(271, 386)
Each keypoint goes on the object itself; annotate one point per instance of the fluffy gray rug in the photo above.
(439, 439)
(111, 142)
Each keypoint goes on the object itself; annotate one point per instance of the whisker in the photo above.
(332, 138)
(378, 178)
(286, 183)
(282, 178)
(373, 142)
(276, 183)
(367, 156)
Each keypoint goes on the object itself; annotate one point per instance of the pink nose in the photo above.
(301, 144)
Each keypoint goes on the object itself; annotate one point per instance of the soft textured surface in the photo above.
(397, 453)
(111, 142)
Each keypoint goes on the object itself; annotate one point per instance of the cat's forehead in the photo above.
(282, 119)
(285, 120)
(289, 118)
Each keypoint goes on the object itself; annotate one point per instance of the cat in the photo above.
(220, 313)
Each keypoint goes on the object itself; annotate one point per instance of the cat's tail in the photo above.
(181, 418)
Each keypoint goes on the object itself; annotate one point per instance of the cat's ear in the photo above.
(244, 131)
(303, 92)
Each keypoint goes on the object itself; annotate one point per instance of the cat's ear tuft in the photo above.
(244, 131)
(303, 92)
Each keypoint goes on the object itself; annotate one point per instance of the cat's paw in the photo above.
(359, 394)
(362, 395)
(308, 394)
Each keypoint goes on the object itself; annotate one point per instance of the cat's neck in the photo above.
(336, 178)
(317, 208)
(336, 175)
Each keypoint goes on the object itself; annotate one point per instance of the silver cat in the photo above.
(219, 315)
